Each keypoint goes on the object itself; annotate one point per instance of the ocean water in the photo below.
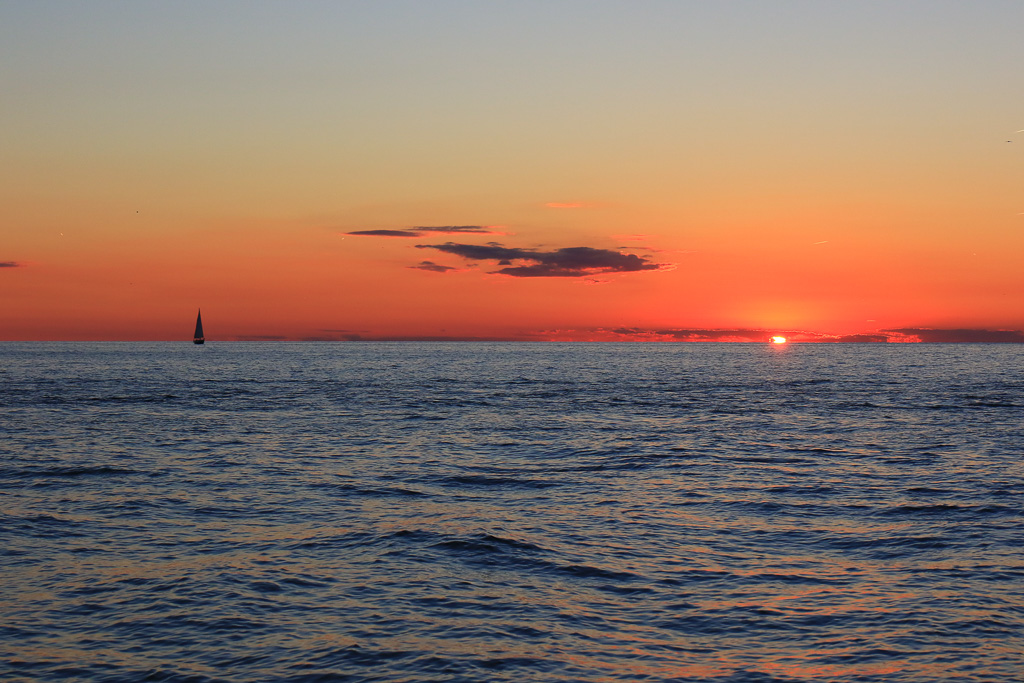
(511, 512)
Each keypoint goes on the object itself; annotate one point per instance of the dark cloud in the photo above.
(961, 336)
(481, 252)
(9, 264)
(385, 233)
(421, 230)
(566, 262)
(432, 267)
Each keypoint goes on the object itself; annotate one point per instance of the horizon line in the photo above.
(735, 335)
(511, 340)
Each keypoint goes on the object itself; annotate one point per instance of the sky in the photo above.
(536, 170)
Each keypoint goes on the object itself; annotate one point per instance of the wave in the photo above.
(485, 481)
(374, 491)
(948, 510)
(63, 472)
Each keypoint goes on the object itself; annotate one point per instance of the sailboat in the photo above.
(198, 337)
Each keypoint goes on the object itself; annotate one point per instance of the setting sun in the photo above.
(778, 340)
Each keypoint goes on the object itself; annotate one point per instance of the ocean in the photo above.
(511, 512)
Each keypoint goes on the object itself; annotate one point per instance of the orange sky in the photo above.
(819, 168)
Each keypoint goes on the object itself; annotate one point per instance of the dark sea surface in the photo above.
(511, 512)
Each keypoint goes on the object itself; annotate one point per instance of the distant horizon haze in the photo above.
(694, 336)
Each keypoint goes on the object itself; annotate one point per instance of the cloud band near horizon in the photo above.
(891, 336)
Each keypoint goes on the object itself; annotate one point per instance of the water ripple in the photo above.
(510, 512)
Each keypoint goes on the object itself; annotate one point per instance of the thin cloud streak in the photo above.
(459, 229)
(10, 264)
(422, 230)
(384, 233)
